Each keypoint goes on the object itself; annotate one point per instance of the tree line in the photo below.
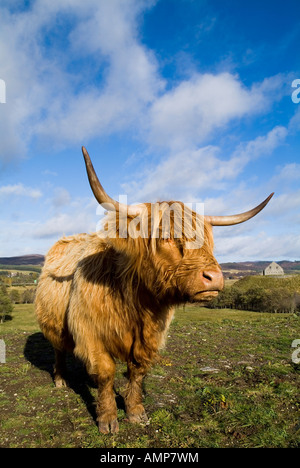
(22, 297)
(258, 299)
(10, 278)
(6, 306)
(10, 297)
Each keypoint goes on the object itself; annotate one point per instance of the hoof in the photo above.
(107, 427)
(60, 382)
(141, 418)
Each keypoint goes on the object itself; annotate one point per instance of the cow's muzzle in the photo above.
(210, 283)
(212, 280)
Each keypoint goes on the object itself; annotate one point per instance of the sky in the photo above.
(191, 100)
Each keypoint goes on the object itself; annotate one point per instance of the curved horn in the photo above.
(238, 218)
(100, 194)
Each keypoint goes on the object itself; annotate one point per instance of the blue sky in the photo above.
(174, 99)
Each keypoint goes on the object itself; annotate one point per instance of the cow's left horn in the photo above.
(100, 194)
(238, 218)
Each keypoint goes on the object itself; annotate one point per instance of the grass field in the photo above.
(225, 379)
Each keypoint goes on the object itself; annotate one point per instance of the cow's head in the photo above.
(166, 244)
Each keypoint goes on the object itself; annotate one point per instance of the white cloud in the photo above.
(61, 197)
(257, 246)
(294, 124)
(66, 216)
(271, 235)
(50, 173)
(189, 113)
(62, 224)
(46, 99)
(189, 173)
(20, 190)
(287, 174)
(34, 227)
(262, 145)
(184, 174)
(286, 205)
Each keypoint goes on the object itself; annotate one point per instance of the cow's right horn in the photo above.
(237, 218)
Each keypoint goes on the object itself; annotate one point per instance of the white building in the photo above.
(273, 269)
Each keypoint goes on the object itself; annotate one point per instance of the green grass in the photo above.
(22, 320)
(225, 379)
(203, 314)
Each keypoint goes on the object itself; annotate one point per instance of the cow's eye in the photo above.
(181, 250)
(175, 246)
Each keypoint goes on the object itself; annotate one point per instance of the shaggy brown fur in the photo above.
(107, 298)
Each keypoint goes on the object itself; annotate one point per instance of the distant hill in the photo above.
(23, 260)
(238, 269)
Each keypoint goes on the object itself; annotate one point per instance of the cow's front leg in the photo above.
(133, 396)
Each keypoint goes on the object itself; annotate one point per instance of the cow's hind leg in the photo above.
(133, 396)
(60, 369)
(103, 372)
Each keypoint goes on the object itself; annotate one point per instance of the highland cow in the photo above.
(111, 295)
